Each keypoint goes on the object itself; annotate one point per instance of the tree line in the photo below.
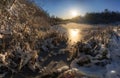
(105, 17)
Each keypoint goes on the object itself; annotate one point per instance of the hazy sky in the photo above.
(62, 8)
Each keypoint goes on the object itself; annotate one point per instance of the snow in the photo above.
(63, 68)
(110, 70)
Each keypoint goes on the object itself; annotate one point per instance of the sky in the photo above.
(64, 8)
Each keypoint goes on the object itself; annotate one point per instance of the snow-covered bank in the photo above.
(107, 67)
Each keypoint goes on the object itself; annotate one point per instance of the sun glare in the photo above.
(74, 13)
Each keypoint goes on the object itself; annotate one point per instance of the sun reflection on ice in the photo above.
(74, 35)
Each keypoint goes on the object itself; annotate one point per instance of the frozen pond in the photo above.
(76, 32)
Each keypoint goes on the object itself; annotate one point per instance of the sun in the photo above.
(74, 13)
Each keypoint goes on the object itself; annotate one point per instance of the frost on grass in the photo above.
(22, 25)
(99, 56)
